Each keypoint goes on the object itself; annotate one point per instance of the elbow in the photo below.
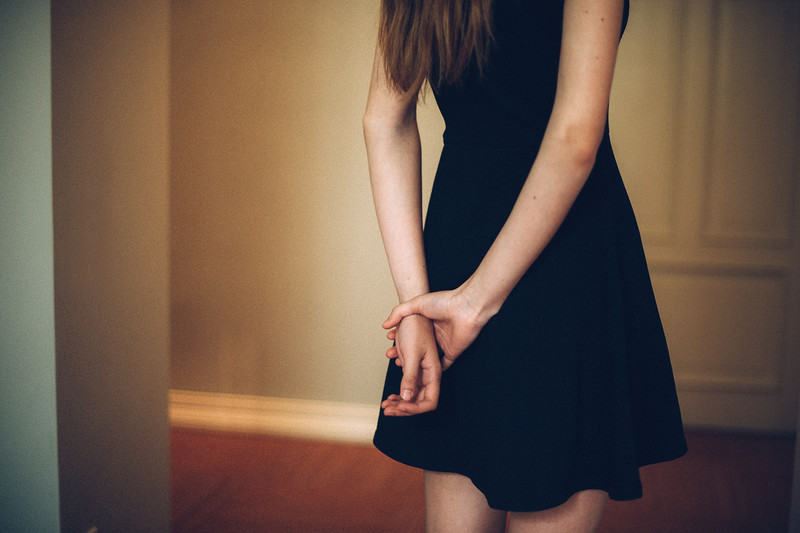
(585, 155)
(371, 125)
(579, 143)
(374, 130)
(380, 123)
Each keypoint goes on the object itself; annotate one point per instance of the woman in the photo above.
(528, 345)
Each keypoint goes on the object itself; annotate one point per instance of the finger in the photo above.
(430, 390)
(427, 399)
(401, 407)
(392, 334)
(394, 353)
(392, 398)
(392, 401)
(409, 385)
(399, 312)
(396, 406)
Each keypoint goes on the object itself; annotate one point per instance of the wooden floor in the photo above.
(239, 483)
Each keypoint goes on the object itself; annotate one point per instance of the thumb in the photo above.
(447, 361)
(399, 312)
(409, 385)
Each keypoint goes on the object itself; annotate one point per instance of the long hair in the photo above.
(420, 36)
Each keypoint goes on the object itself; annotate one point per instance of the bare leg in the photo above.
(580, 514)
(453, 504)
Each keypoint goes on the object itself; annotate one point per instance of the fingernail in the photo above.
(406, 395)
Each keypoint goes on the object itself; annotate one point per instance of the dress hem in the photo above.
(556, 500)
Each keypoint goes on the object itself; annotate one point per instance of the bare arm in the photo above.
(567, 153)
(393, 154)
(564, 161)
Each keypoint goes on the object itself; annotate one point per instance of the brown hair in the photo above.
(417, 36)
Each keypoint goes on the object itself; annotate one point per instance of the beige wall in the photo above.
(279, 283)
(110, 208)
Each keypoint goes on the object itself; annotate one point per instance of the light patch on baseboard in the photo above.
(311, 419)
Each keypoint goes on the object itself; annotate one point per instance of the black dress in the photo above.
(569, 387)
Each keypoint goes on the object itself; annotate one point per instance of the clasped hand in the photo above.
(455, 325)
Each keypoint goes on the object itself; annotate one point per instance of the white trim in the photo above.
(288, 417)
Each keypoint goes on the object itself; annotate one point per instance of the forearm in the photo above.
(393, 152)
(556, 178)
(566, 156)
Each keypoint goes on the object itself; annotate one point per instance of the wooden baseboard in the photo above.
(311, 419)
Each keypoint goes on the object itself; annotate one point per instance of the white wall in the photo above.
(28, 460)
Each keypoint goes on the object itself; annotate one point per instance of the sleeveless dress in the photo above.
(569, 387)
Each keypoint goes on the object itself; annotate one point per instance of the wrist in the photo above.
(482, 302)
(416, 323)
(405, 294)
(419, 319)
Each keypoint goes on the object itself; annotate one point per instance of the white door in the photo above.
(706, 125)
